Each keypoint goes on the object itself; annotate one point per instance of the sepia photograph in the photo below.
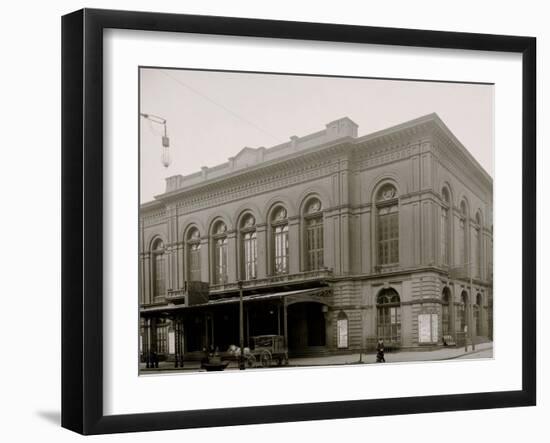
(296, 220)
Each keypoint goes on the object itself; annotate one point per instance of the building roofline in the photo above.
(396, 130)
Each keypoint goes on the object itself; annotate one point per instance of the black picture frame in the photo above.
(82, 218)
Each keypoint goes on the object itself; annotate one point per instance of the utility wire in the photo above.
(225, 108)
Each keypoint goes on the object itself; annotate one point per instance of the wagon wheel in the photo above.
(265, 359)
(250, 361)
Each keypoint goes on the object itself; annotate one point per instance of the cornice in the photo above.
(276, 167)
(392, 144)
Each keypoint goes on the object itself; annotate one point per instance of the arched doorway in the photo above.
(388, 316)
(306, 326)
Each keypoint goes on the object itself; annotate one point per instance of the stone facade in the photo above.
(384, 235)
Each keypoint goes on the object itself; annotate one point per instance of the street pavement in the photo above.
(483, 350)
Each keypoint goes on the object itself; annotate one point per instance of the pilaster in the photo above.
(261, 239)
(294, 244)
(232, 257)
(205, 254)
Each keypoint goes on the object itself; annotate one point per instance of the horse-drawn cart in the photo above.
(267, 349)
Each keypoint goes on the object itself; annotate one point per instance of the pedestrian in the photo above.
(380, 351)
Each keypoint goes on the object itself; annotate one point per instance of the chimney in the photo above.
(344, 127)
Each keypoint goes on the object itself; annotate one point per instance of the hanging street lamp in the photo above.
(165, 155)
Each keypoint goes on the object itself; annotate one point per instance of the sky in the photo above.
(212, 115)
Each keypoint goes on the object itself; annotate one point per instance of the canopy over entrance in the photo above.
(319, 295)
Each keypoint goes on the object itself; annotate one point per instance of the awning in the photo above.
(319, 295)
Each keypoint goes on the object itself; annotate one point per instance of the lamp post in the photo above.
(165, 156)
(241, 325)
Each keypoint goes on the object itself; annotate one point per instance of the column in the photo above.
(180, 262)
(205, 254)
(344, 246)
(452, 312)
(232, 257)
(148, 343)
(261, 244)
(294, 244)
(344, 242)
(427, 220)
(328, 240)
(147, 292)
(153, 342)
(285, 323)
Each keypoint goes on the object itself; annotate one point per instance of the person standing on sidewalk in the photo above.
(380, 351)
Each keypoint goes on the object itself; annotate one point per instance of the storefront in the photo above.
(180, 332)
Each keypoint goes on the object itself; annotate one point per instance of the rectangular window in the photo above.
(389, 323)
(221, 260)
(161, 330)
(160, 282)
(250, 254)
(314, 243)
(195, 262)
(280, 234)
(388, 238)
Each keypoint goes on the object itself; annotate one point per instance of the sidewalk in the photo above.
(347, 359)
(391, 357)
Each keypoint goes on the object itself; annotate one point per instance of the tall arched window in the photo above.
(159, 270)
(388, 308)
(279, 229)
(387, 225)
(220, 252)
(463, 232)
(194, 255)
(313, 220)
(249, 250)
(445, 313)
(445, 227)
(476, 256)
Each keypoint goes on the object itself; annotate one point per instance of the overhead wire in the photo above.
(225, 108)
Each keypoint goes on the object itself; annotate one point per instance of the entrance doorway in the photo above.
(306, 326)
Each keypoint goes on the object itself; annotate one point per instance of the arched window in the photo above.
(194, 255)
(342, 329)
(279, 229)
(159, 270)
(387, 225)
(445, 313)
(445, 227)
(463, 239)
(219, 237)
(476, 256)
(249, 250)
(388, 308)
(313, 221)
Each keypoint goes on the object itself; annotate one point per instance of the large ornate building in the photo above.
(338, 240)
